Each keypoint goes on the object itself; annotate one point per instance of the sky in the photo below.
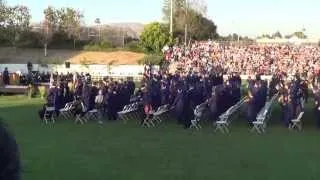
(245, 17)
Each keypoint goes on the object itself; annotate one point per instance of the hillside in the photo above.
(21, 56)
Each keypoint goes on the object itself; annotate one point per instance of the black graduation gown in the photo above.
(213, 108)
(253, 104)
(131, 87)
(188, 107)
(112, 105)
(286, 111)
(317, 100)
(86, 96)
(93, 94)
(6, 78)
(164, 96)
(179, 106)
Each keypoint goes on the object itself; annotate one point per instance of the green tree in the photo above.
(190, 15)
(51, 18)
(67, 20)
(177, 6)
(300, 34)
(18, 22)
(13, 21)
(277, 35)
(154, 37)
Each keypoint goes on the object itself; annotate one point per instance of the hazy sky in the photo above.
(247, 17)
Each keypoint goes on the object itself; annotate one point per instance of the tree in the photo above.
(300, 35)
(51, 18)
(177, 5)
(13, 21)
(70, 22)
(3, 14)
(63, 21)
(207, 30)
(189, 18)
(154, 37)
(18, 22)
(276, 35)
(45, 35)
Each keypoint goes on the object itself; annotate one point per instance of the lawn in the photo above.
(66, 151)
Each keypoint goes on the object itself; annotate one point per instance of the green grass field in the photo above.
(66, 151)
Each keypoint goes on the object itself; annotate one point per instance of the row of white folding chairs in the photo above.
(50, 113)
(225, 119)
(260, 124)
(157, 116)
(129, 112)
(198, 113)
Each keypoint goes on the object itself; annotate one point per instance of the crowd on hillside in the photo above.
(247, 60)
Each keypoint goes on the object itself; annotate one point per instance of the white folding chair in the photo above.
(160, 111)
(66, 111)
(81, 118)
(296, 123)
(222, 124)
(225, 119)
(92, 114)
(49, 114)
(198, 112)
(260, 124)
(122, 114)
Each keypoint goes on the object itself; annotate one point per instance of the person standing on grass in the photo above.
(10, 165)
(147, 103)
(99, 99)
(316, 93)
(6, 78)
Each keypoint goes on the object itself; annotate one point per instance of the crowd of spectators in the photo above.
(264, 59)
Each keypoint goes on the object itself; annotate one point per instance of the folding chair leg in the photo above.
(199, 126)
(146, 123)
(216, 128)
(300, 127)
(226, 128)
(151, 122)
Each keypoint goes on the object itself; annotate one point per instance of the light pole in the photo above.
(171, 18)
(186, 25)
(98, 22)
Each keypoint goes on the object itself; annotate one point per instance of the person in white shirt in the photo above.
(99, 104)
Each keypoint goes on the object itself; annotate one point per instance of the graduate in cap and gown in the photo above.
(316, 92)
(178, 104)
(285, 102)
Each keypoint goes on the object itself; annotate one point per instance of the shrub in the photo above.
(98, 46)
(29, 39)
(152, 59)
(134, 47)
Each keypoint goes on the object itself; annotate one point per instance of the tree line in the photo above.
(298, 34)
(61, 27)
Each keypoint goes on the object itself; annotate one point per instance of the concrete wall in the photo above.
(95, 70)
